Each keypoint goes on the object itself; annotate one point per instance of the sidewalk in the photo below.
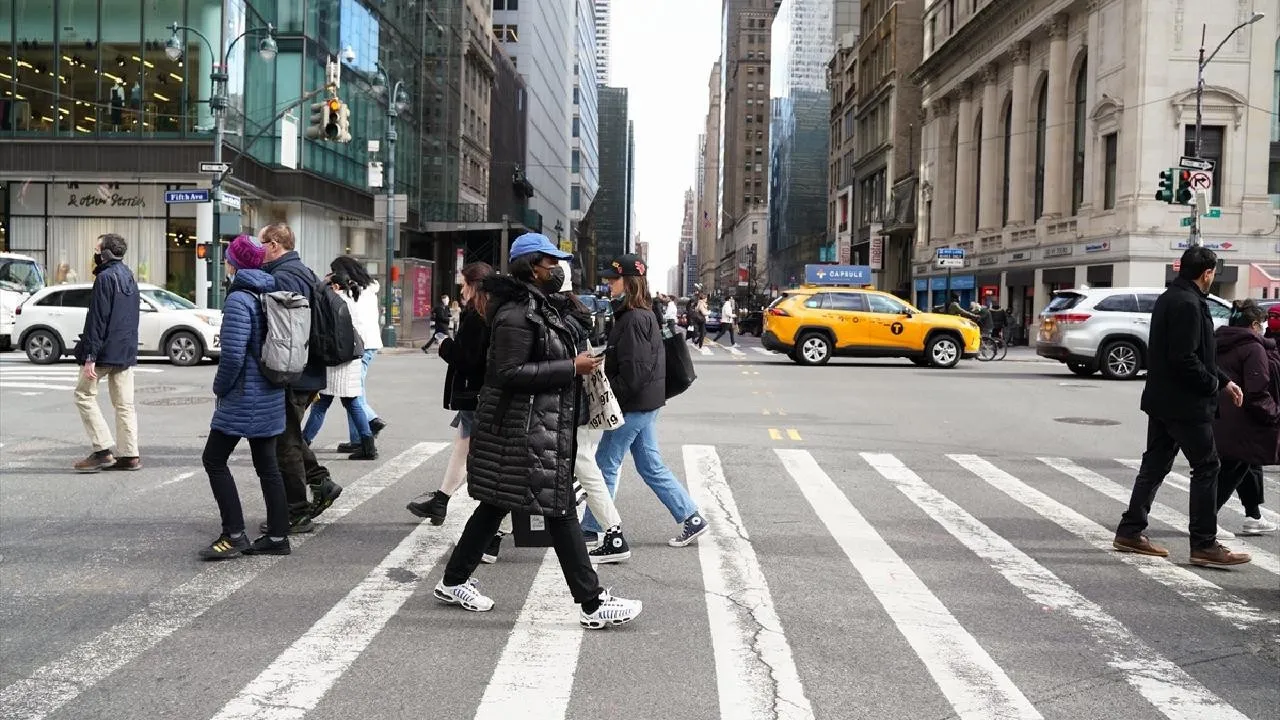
(1022, 353)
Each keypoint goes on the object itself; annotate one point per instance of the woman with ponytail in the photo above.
(346, 381)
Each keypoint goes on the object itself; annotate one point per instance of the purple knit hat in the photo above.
(246, 253)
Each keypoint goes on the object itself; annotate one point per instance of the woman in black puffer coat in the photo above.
(524, 441)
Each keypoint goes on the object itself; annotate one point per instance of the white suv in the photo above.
(20, 275)
(51, 320)
(1105, 329)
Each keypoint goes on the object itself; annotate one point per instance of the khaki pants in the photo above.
(120, 384)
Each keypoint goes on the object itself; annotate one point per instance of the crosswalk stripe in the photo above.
(25, 385)
(705, 350)
(1167, 687)
(1183, 483)
(756, 675)
(976, 687)
(61, 681)
(762, 351)
(1189, 585)
(735, 352)
(533, 679)
(1159, 511)
(296, 681)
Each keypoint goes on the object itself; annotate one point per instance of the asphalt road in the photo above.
(886, 542)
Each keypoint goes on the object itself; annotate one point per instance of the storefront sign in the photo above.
(877, 252)
(958, 282)
(989, 260)
(1215, 245)
(837, 274)
(922, 269)
(1058, 251)
(1020, 256)
(106, 200)
(1094, 247)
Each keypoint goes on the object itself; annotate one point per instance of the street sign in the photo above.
(1213, 213)
(215, 168)
(950, 262)
(1194, 163)
(179, 197)
(1186, 222)
(837, 274)
(1201, 180)
(231, 201)
(951, 253)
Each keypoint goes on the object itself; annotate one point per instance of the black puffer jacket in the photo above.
(1183, 379)
(466, 355)
(525, 439)
(636, 362)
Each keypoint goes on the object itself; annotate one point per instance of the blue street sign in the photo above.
(177, 197)
(950, 253)
(837, 274)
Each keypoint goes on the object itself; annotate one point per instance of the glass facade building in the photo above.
(799, 135)
(613, 199)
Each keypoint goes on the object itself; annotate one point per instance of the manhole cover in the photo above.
(156, 389)
(1086, 421)
(176, 401)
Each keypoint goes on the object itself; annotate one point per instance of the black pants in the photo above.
(700, 332)
(217, 450)
(298, 464)
(1164, 439)
(566, 538)
(1246, 481)
(724, 327)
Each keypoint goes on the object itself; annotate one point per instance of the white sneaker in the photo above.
(612, 611)
(467, 595)
(1256, 526)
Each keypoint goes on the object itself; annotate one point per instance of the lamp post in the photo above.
(397, 102)
(174, 49)
(1199, 137)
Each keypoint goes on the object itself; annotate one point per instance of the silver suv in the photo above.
(1105, 329)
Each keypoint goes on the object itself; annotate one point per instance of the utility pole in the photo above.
(397, 102)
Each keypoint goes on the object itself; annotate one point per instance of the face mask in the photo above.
(554, 280)
(98, 259)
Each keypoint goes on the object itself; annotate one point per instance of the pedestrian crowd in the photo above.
(545, 404)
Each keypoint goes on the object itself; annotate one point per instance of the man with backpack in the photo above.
(298, 464)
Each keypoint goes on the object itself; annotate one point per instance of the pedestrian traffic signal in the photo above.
(1184, 194)
(1165, 193)
(202, 251)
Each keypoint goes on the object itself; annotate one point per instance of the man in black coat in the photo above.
(1181, 401)
(108, 348)
(298, 464)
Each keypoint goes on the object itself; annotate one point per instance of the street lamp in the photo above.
(397, 102)
(1199, 138)
(174, 49)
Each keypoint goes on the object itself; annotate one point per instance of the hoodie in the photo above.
(1250, 433)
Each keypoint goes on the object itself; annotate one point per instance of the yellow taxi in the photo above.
(813, 323)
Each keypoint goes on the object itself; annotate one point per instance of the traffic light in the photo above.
(1184, 194)
(202, 251)
(325, 120)
(319, 113)
(1165, 193)
(344, 123)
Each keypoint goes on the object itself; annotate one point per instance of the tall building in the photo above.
(509, 189)
(632, 235)
(842, 72)
(604, 47)
(612, 208)
(799, 138)
(474, 110)
(541, 39)
(888, 140)
(686, 257)
(642, 249)
(709, 186)
(584, 158)
(1047, 131)
(744, 138)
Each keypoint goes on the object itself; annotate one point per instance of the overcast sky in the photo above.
(663, 51)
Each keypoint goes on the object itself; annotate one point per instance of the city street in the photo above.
(886, 542)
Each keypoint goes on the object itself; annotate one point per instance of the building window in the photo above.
(577, 96)
(1211, 150)
(1008, 148)
(1110, 149)
(1077, 168)
(755, 227)
(576, 161)
(575, 197)
(577, 126)
(1042, 117)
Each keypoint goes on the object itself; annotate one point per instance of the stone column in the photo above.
(943, 225)
(964, 163)
(1019, 144)
(992, 146)
(1056, 144)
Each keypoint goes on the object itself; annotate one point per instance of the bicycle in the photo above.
(992, 348)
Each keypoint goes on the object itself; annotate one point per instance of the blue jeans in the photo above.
(639, 434)
(353, 432)
(321, 407)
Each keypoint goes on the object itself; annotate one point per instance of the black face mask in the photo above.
(554, 280)
(98, 259)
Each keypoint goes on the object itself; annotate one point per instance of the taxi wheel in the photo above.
(943, 351)
(813, 349)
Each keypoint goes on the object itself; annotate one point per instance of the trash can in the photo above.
(531, 530)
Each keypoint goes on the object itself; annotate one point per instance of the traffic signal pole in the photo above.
(1195, 238)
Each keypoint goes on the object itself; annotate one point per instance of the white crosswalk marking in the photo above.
(57, 683)
(1182, 581)
(1168, 688)
(1159, 511)
(755, 673)
(762, 351)
(977, 688)
(1183, 483)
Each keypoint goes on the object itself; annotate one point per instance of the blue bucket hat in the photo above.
(537, 243)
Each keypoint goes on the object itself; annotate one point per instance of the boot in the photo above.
(367, 451)
(433, 508)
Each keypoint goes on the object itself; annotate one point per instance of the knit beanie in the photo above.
(246, 253)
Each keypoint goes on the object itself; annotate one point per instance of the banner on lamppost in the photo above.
(744, 276)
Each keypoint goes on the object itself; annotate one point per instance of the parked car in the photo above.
(20, 276)
(751, 322)
(713, 321)
(50, 322)
(1105, 329)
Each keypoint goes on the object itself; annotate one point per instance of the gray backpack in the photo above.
(286, 346)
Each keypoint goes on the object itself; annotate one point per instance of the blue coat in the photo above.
(247, 405)
(110, 336)
(293, 275)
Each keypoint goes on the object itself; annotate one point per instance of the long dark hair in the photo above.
(635, 293)
(344, 281)
(352, 268)
(474, 274)
(1247, 313)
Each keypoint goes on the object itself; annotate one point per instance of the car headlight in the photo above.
(214, 320)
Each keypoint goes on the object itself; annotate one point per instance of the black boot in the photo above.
(348, 447)
(367, 451)
(377, 425)
(433, 508)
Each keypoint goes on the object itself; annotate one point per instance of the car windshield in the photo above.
(21, 276)
(167, 300)
(1063, 301)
